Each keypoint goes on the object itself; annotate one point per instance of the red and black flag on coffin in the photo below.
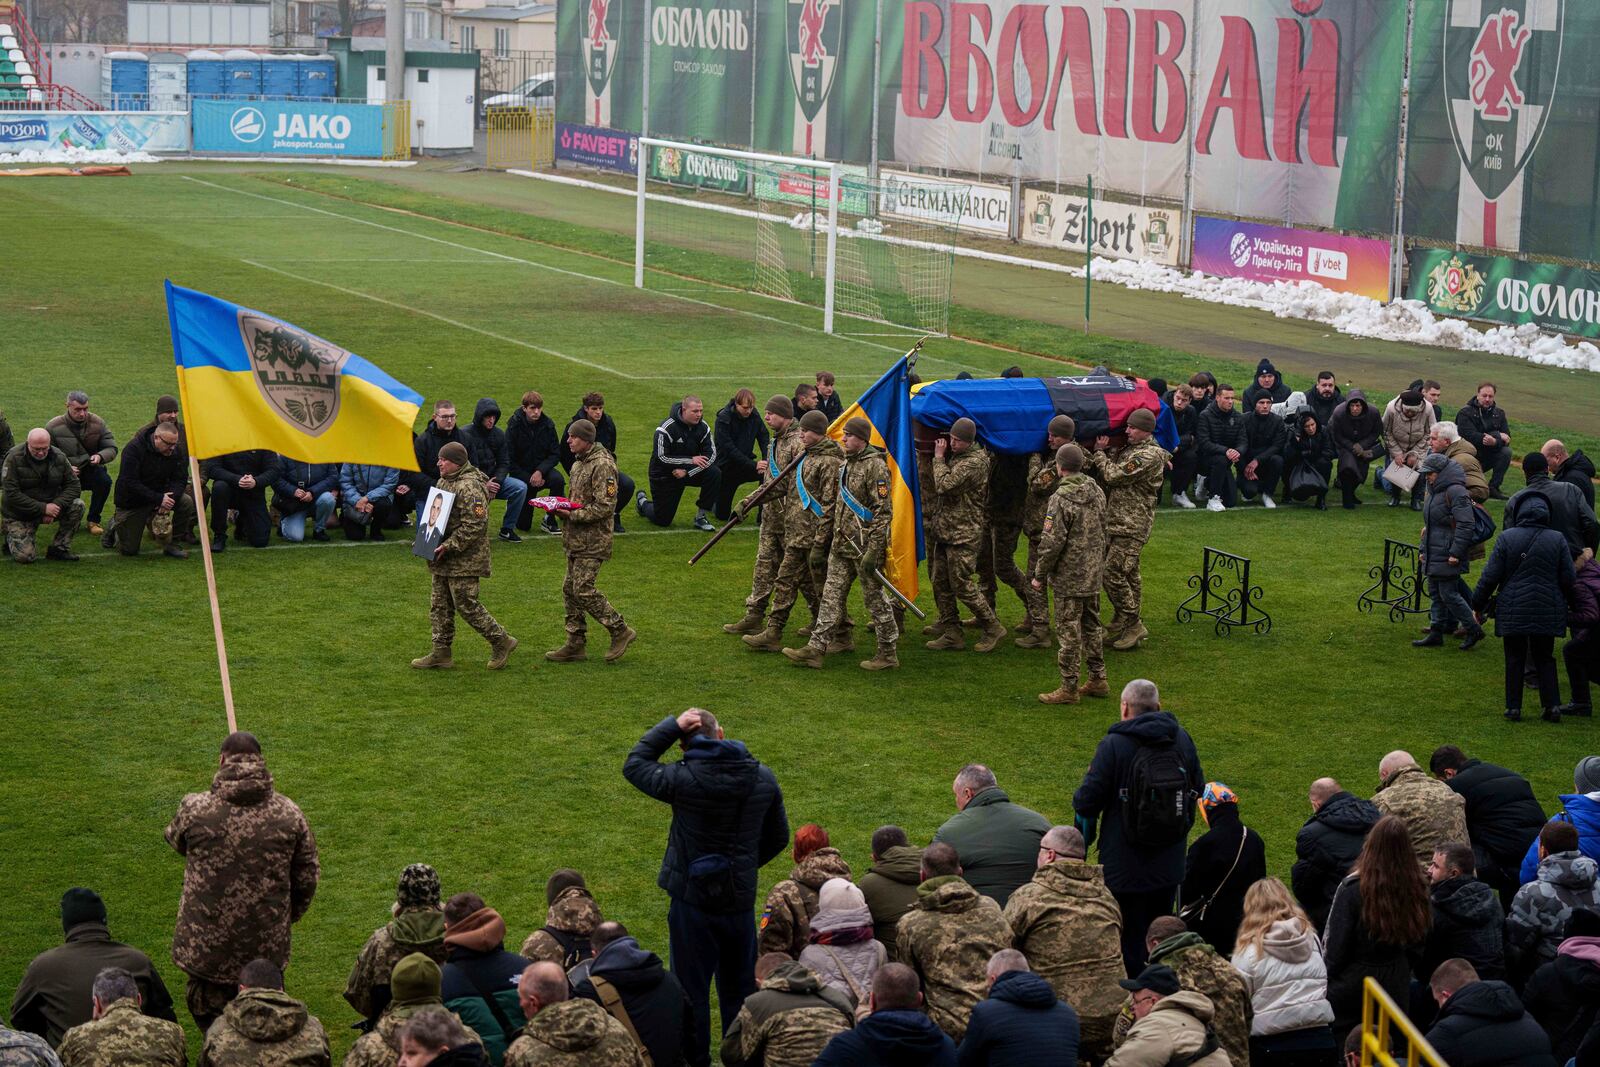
(1013, 413)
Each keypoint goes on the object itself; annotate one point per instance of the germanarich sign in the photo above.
(1503, 289)
(972, 206)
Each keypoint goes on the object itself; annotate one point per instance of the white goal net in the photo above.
(798, 230)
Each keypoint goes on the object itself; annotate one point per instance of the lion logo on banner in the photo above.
(1456, 287)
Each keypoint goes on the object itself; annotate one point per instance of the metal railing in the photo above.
(396, 129)
(521, 137)
(1381, 1022)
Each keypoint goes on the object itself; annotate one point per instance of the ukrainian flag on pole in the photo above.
(887, 405)
(248, 380)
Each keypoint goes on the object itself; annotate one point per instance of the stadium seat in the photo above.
(28, 79)
(8, 41)
(24, 67)
(15, 55)
(7, 67)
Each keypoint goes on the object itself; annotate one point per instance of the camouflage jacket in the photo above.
(587, 531)
(1069, 926)
(784, 446)
(265, 1028)
(1072, 543)
(947, 938)
(18, 1049)
(574, 912)
(802, 526)
(786, 920)
(124, 1037)
(466, 534)
(787, 1022)
(1432, 811)
(250, 872)
(866, 476)
(574, 1033)
(1042, 479)
(1201, 970)
(961, 490)
(1132, 478)
(413, 930)
(380, 1046)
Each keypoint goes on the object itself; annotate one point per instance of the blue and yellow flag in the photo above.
(887, 405)
(248, 380)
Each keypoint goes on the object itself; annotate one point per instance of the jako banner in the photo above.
(1507, 290)
(1121, 231)
(289, 128)
(1229, 249)
(118, 131)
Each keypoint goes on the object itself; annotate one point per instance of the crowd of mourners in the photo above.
(997, 941)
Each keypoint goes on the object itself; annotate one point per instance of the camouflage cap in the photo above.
(1063, 427)
(1142, 419)
(454, 452)
(419, 887)
(964, 429)
(859, 427)
(415, 979)
(816, 422)
(782, 406)
(582, 429)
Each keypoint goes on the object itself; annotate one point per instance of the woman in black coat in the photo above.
(1447, 519)
(1223, 862)
(1531, 567)
(1311, 446)
(1356, 430)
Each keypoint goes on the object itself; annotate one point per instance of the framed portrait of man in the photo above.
(432, 518)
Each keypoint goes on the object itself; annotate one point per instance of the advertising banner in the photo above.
(117, 131)
(809, 188)
(594, 146)
(971, 206)
(701, 57)
(1502, 289)
(1121, 231)
(814, 77)
(1258, 253)
(288, 128)
(698, 170)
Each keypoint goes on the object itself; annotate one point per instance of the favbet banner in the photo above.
(1121, 231)
(595, 146)
(1258, 253)
(1502, 289)
(698, 170)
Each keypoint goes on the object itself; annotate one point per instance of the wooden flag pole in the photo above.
(211, 588)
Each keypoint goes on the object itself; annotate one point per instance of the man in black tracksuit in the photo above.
(605, 433)
(535, 452)
(1266, 439)
(683, 454)
(1220, 431)
(741, 440)
(1483, 424)
(412, 491)
(239, 484)
(727, 823)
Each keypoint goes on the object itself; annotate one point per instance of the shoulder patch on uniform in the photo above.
(1049, 523)
(611, 485)
(1129, 467)
(883, 489)
(478, 510)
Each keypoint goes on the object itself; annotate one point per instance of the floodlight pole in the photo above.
(833, 245)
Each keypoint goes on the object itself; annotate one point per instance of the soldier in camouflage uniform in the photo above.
(807, 505)
(19, 1049)
(1071, 555)
(1434, 813)
(460, 562)
(960, 487)
(265, 1027)
(417, 926)
(790, 1018)
(415, 982)
(782, 447)
(586, 537)
(250, 872)
(947, 938)
(1042, 479)
(786, 919)
(1132, 477)
(1069, 926)
(38, 488)
(566, 1032)
(120, 1035)
(1201, 970)
(860, 543)
(568, 924)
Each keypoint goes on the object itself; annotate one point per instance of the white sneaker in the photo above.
(1183, 501)
(1200, 487)
(1267, 502)
(1216, 504)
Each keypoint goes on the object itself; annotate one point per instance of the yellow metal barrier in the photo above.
(544, 138)
(521, 137)
(397, 129)
(1380, 1015)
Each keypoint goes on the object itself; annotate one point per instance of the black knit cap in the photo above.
(561, 880)
(81, 906)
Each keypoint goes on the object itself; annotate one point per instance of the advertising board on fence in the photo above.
(809, 188)
(1503, 289)
(289, 128)
(972, 206)
(118, 131)
(597, 146)
(1121, 231)
(698, 170)
(1259, 253)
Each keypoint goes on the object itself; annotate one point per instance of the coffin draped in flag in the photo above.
(887, 406)
(1012, 414)
(248, 380)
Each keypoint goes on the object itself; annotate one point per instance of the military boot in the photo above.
(938, 627)
(886, 659)
(768, 640)
(805, 631)
(1023, 628)
(1129, 639)
(620, 642)
(1062, 695)
(438, 659)
(502, 650)
(1095, 687)
(991, 637)
(1033, 639)
(752, 623)
(805, 656)
(571, 652)
(841, 642)
(947, 641)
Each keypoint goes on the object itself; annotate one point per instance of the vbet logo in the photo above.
(247, 125)
(1326, 263)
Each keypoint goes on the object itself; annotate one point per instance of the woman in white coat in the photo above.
(1278, 953)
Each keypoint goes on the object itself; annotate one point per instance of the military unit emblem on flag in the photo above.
(1455, 287)
(815, 29)
(1501, 61)
(297, 373)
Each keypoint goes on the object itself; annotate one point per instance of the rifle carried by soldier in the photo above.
(750, 502)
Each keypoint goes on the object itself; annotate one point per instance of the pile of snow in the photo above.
(76, 155)
(1357, 316)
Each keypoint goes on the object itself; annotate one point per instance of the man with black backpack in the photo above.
(1140, 790)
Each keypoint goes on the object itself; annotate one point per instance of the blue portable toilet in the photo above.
(318, 76)
(206, 74)
(241, 72)
(125, 81)
(280, 75)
